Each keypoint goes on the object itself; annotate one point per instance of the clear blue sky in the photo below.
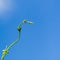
(40, 41)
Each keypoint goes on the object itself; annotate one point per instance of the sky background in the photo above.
(40, 41)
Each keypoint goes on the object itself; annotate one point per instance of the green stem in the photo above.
(12, 44)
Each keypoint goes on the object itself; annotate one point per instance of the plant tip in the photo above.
(30, 22)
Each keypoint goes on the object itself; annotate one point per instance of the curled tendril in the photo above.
(6, 50)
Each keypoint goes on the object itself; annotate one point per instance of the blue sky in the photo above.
(40, 41)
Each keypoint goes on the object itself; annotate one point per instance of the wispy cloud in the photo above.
(6, 8)
(5, 5)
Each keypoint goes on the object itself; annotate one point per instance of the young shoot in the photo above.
(6, 50)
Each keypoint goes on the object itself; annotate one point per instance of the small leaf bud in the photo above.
(5, 51)
(24, 21)
(19, 28)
